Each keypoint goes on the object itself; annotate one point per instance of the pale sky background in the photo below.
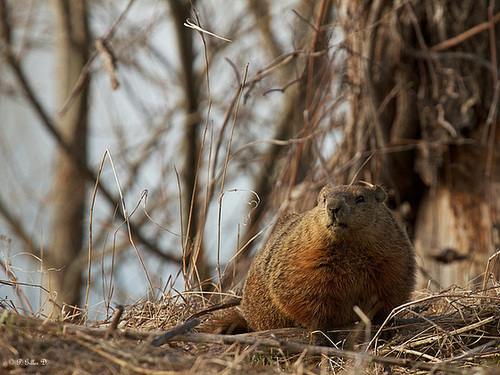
(136, 108)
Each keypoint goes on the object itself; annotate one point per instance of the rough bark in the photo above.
(426, 114)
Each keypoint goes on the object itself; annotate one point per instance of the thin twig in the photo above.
(313, 48)
(114, 323)
(226, 162)
(86, 68)
(465, 35)
(15, 283)
(492, 38)
(189, 23)
(434, 338)
(178, 330)
(127, 222)
(487, 271)
(424, 47)
(201, 225)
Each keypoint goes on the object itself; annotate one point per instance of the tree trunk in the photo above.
(68, 192)
(426, 115)
(195, 266)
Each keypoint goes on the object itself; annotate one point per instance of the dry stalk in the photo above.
(434, 338)
(489, 267)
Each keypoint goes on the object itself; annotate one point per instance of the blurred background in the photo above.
(150, 146)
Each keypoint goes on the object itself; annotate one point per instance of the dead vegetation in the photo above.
(456, 331)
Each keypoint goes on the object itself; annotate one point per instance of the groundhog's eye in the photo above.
(360, 199)
(324, 200)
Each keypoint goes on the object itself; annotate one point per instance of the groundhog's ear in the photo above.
(380, 194)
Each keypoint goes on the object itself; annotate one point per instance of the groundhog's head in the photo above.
(350, 210)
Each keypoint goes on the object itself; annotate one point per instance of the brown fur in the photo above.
(228, 321)
(348, 250)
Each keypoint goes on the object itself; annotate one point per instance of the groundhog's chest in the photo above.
(325, 285)
(336, 273)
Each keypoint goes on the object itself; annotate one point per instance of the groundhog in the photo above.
(348, 250)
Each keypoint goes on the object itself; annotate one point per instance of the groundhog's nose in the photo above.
(334, 206)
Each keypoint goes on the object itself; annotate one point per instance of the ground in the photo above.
(456, 331)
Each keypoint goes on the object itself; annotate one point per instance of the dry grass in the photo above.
(456, 331)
